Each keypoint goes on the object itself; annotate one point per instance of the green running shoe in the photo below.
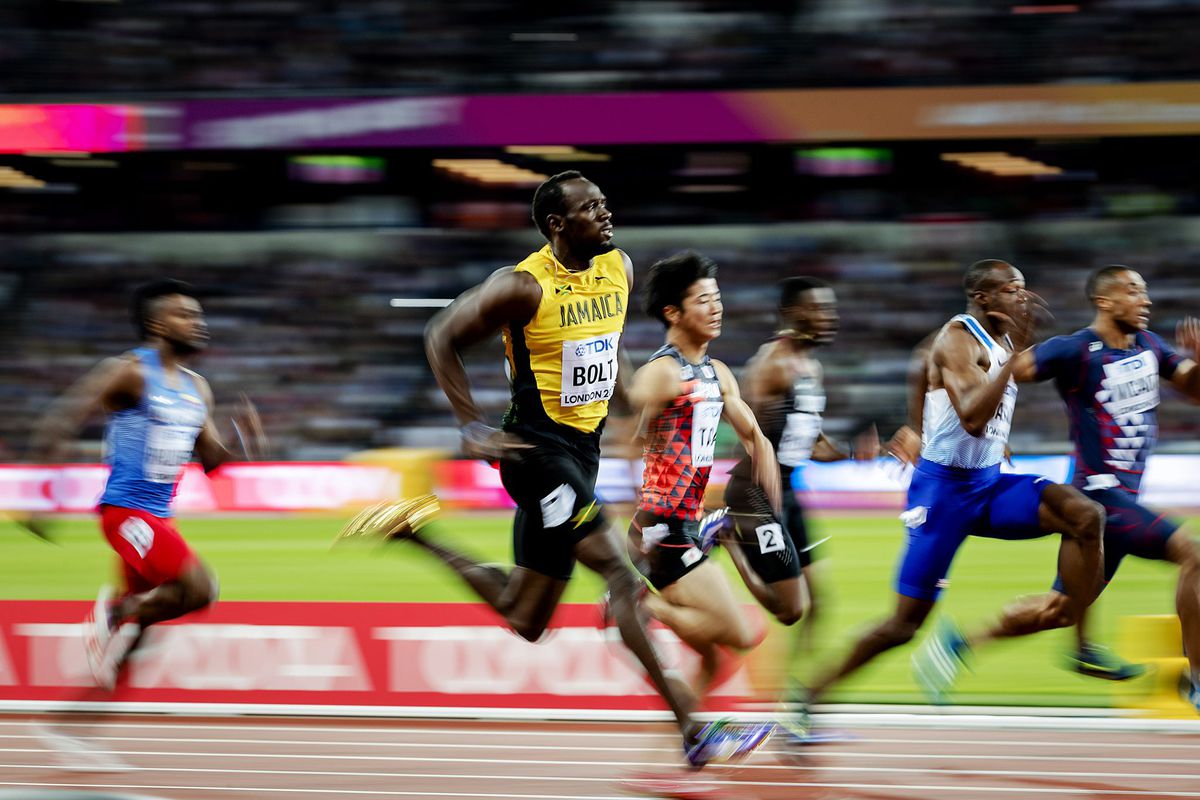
(1097, 661)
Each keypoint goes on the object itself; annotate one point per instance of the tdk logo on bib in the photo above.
(595, 346)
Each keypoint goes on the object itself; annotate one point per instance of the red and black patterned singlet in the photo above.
(680, 442)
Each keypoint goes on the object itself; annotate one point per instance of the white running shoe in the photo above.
(105, 643)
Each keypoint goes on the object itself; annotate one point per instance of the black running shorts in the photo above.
(670, 547)
(776, 548)
(554, 487)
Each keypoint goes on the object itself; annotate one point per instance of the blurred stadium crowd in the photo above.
(303, 322)
(73, 47)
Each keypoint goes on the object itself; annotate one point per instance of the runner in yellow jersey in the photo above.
(561, 312)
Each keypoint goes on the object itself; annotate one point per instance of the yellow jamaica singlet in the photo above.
(563, 363)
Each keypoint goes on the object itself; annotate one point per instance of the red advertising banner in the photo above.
(409, 656)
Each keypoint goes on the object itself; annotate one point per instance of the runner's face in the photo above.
(587, 224)
(1128, 301)
(1008, 295)
(702, 311)
(180, 321)
(815, 314)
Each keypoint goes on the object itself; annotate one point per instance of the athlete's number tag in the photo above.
(800, 432)
(589, 370)
(1130, 385)
(168, 448)
(770, 538)
(705, 419)
(999, 425)
(138, 533)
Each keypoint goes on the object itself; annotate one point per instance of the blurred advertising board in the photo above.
(335, 486)
(846, 484)
(793, 115)
(265, 486)
(1137, 109)
(329, 655)
(60, 127)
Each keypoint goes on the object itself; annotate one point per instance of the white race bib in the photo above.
(589, 370)
(800, 432)
(1130, 385)
(998, 426)
(705, 419)
(168, 448)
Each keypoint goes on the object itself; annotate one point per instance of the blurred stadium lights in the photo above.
(15, 179)
(844, 161)
(554, 152)
(544, 36)
(84, 163)
(489, 171)
(57, 154)
(711, 164)
(1060, 8)
(336, 169)
(1000, 163)
(708, 188)
(420, 302)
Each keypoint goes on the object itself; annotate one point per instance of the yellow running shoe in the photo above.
(392, 520)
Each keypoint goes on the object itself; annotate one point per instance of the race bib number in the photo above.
(1130, 386)
(589, 370)
(770, 538)
(705, 419)
(168, 448)
(800, 432)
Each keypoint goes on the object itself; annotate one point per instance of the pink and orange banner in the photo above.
(71, 128)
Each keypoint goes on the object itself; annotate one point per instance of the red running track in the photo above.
(290, 759)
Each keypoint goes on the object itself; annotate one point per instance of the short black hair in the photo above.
(790, 289)
(1099, 281)
(670, 278)
(979, 274)
(142, 304)
(548, 198)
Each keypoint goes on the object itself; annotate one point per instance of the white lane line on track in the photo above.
(813, 752)
(335, 792)
(322, 728)
(491, 731)
(1003, 773)
(823, 750)
(817, 785)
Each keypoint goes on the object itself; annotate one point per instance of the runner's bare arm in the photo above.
(211, 447)
(625, 368)
(905, 444)
(762, 456)
(955, 358)
(653, 387)
(481, 312)
(763, 379)
(506, 297)
(112, 385)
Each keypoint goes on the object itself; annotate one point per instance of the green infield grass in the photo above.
(289, 559)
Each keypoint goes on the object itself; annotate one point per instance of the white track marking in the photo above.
(827, 753)
(819, 785)
(335, 792)
(556, 762)
(997, 773)
(823, 750)
(405, 728)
